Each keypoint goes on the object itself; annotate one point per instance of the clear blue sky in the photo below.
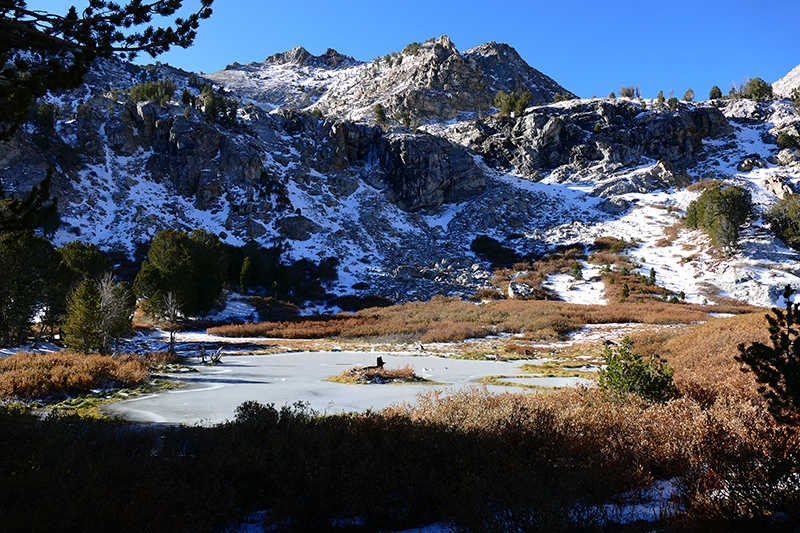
(589, 47)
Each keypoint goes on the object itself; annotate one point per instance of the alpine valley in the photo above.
(398, 166)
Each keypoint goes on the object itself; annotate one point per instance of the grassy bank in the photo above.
(477, 461)
(561, 461)
(452, 320)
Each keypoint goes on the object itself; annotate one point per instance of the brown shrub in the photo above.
(381, 375)
(611, 244)
(621, 443)
(670, 234)
(702, 185)
(270, 308)
(703, 356)
(449, 319)
(487, 294)
(30, 375)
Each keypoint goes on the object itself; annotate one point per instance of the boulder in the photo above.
(774, 184)
(298, 227)
(407, 273)
(660, 176)
(788, 157)
(519, 291)
(748, 164)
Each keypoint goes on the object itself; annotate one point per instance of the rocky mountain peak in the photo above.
(784, 86)
(297, 56)
(301, 57)
(507, 71)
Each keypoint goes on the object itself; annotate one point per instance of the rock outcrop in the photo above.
(426, 81)
(505, 70)
(610, 134)
(302, 57)
(784, 86)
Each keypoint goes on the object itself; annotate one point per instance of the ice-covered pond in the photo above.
(212, 394)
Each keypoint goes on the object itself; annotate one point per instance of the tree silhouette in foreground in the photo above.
(777, 367)
(41, 51)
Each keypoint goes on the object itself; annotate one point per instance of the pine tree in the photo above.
(777, 367)
(246, 275)
(721, 213)
(32, 213)
(673, 103)
(756, 89)
(715, 93)
(44, 52)
(380, 114)
(28, 265)
(194, 266)
(688, 96)
(660, 100)
(83, 326)
(626, 372)
(84, 260)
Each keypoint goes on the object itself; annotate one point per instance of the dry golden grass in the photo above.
(702, 185)
(584, 425)
(533, 274)
(364, 375)
(703, 356)
(670, 234)
(453, 320)
(30, 375)
(611, 244)
(486, 294)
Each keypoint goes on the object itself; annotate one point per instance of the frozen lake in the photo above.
(213, 393)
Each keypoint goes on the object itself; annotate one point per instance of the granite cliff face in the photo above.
(579, 135)
(305, 161)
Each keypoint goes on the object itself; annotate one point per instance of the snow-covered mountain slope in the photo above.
(401, 206)
(784, 86)
(426, 81)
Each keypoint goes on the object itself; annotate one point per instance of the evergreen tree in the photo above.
(83, 326)
(27, 268)
(512, 104)
(380, 114)
(33, 212)
(576, 271)
(756, 89)
(660, 100)
(84, 260)
(688, 96)
(673, 103)
(777, 367)
(626, 372)
(715, 93)
(193, 266)
(246, 275)
(41, 52)
(721, 213)
(784, 219)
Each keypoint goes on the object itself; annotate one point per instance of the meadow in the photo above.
(566, 460)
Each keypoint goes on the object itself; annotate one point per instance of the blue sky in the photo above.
(590, 48)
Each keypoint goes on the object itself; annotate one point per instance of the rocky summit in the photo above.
(395, 166)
